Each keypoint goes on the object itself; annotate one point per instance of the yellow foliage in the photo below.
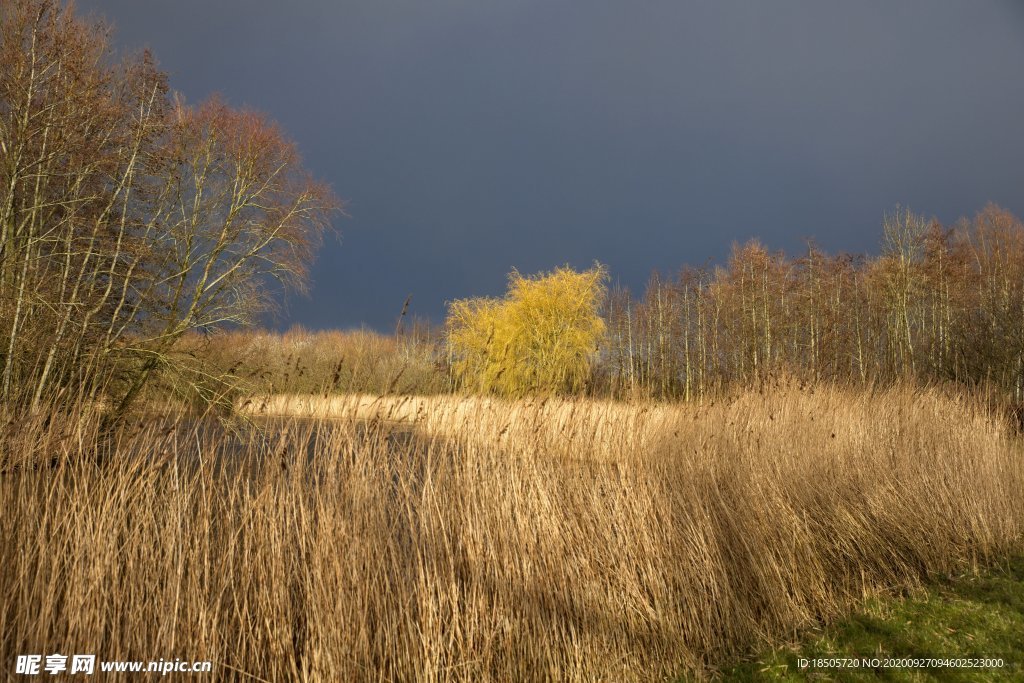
(541, 337)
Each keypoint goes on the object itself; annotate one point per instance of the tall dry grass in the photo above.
(496, 541)
(333, 361)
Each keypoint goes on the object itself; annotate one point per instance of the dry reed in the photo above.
(490, 540)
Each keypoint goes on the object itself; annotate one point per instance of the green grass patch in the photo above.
(971, 616)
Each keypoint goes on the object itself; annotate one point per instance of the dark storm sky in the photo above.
(471, 136)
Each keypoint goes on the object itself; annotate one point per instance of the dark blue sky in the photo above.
(473, 136)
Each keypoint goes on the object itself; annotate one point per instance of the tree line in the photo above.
(936, 304)
(131, 220)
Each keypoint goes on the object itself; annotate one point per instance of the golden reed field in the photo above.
(456, 539)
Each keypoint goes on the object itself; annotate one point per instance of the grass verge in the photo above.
(971, 616)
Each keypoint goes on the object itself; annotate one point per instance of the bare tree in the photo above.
(232, 211)
(127, 218)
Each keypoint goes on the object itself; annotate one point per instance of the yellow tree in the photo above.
(542, 336)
